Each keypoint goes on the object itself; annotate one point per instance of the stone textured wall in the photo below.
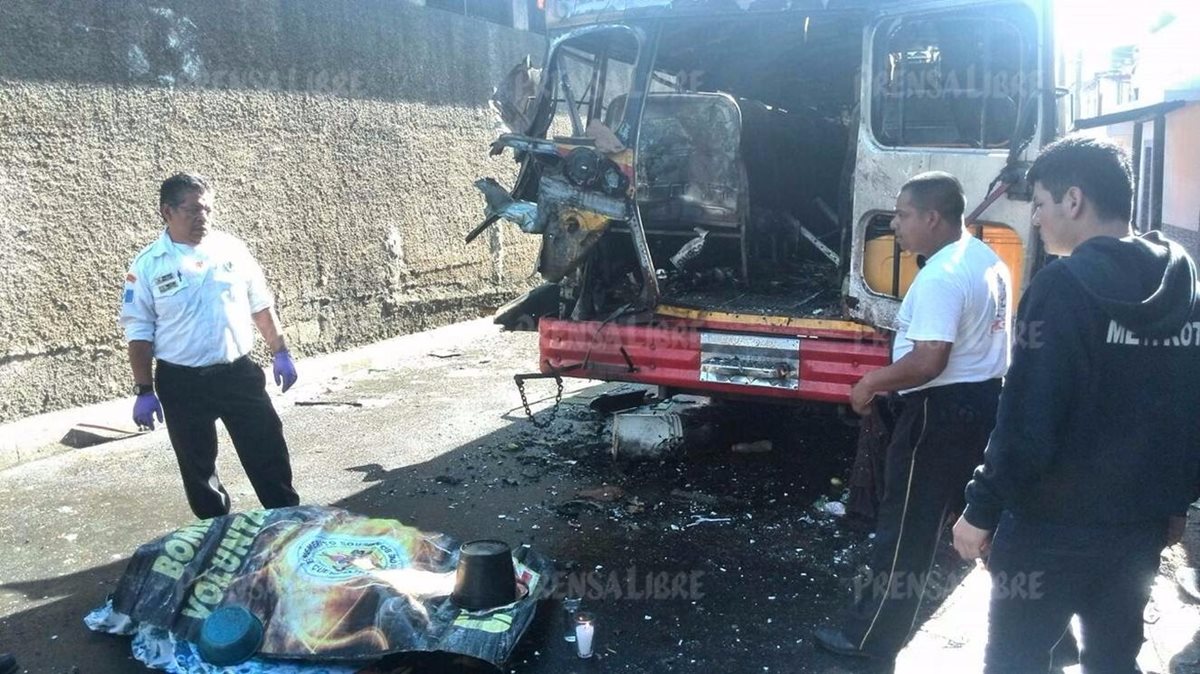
(342, 136)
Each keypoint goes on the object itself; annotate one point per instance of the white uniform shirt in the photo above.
(194, 302)
(961, 296)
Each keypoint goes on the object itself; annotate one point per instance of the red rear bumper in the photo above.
(668, 353)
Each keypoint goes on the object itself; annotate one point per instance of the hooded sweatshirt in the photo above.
(1099, 421)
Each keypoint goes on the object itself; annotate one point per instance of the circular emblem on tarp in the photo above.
(335, 558)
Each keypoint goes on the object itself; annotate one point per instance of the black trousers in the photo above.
(937, 439)
(1042, 574)
(193, 399)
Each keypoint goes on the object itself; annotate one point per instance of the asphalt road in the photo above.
(440, 442)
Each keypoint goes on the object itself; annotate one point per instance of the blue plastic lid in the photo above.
(230, 635)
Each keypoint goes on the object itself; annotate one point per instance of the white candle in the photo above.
(584, 631)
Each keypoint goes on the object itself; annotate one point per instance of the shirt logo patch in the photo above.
(998, 322)
(130, 278)
(128, 299)
(168, 282)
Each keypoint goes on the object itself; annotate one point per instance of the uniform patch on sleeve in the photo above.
(130, 278)
(128, 298)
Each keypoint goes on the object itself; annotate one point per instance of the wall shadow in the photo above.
(707, 556)
(381, 50)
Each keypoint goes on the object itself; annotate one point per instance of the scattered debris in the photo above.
(89, 435)
(576, 507)
(521, 313)
(694, 497)
(608, 493)
(756, 447)
(448, 479)
(615, 401)
(512, 100)
(606, 141)
(817, 242)
(445, 353)
(644, 436)
(690, 250)
(700, 519)
(500, 204)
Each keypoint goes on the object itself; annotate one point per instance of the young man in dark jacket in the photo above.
(1097, 441)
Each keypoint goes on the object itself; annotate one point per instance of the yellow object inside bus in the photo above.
(879, 260)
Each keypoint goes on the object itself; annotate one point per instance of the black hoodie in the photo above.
(1099, 421)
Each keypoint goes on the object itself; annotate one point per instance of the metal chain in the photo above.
(520, 381)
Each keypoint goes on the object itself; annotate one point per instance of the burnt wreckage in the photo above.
(737, 184)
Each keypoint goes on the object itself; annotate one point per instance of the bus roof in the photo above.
(561, 14)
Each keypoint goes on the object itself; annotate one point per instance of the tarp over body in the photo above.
(327, 585)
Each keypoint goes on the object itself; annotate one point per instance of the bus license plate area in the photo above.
(750, 360)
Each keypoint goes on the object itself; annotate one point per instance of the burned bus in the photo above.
(713, 181)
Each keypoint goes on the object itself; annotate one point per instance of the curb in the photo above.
(40, 436)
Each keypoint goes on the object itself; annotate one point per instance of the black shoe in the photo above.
(832, 640)
(8, 664)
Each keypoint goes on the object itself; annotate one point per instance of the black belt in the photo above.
(205, 370)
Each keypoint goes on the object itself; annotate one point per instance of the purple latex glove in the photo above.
(285, 370)
(145, 409)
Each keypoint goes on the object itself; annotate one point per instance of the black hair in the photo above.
(174, 189)
(1099, 168)
(937, 191)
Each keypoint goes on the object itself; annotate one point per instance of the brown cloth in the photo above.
(866, 478)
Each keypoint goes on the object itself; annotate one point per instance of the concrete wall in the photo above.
(343, 137)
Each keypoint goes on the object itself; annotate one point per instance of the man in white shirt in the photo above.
(192, 300)
(949, 354)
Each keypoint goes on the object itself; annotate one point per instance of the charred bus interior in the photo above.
(743, 162)
(746, 134)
